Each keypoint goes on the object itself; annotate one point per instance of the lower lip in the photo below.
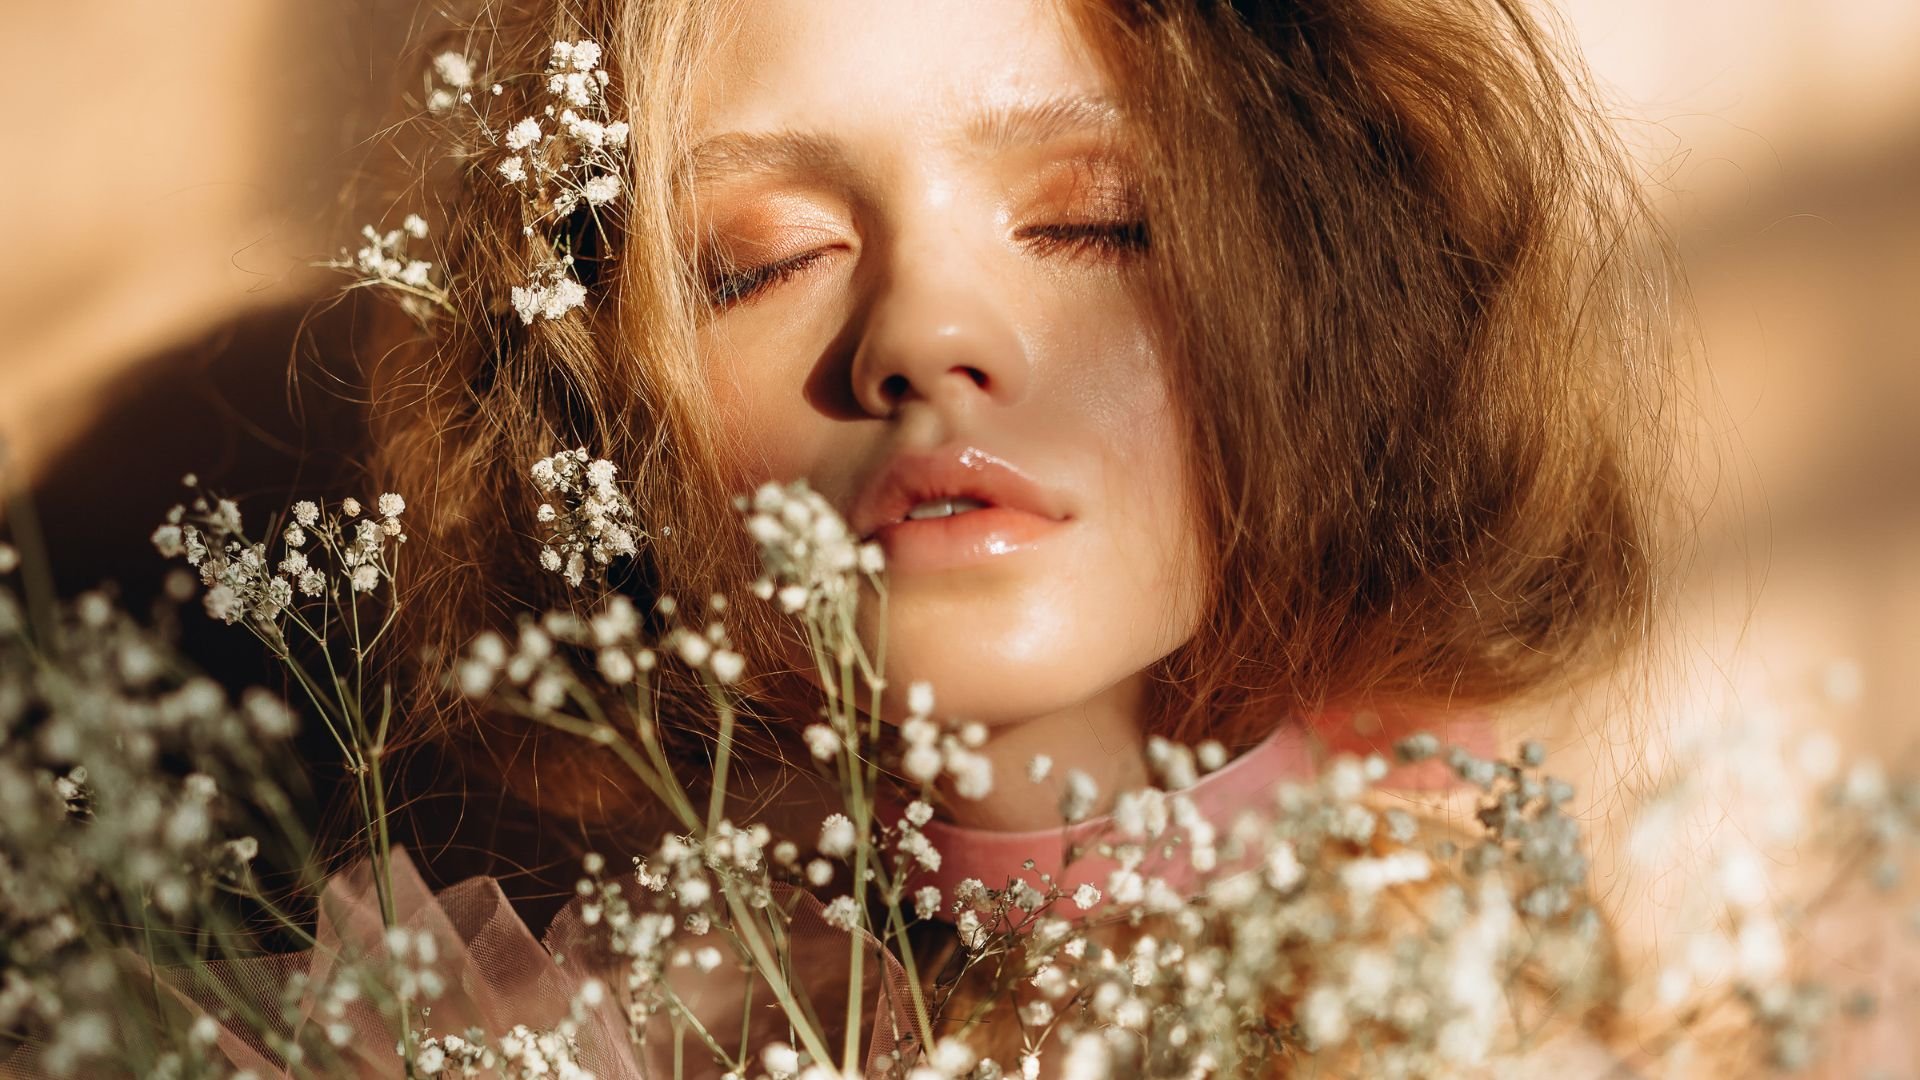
(960, 540)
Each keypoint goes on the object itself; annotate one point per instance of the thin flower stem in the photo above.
(746, 1024)
(717, 798)
(590, 729)
(771, 971)
(279, 915)
(312, 690)
(863, 843)
(897, 928)
(36, 577)
(435, 297)
(680, 1007)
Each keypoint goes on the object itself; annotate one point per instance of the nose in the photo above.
(937, 334)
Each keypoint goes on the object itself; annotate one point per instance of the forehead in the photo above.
(949, 70)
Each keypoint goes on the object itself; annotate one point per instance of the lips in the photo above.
(1017, 510)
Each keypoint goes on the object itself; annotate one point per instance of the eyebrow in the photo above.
(993, 129)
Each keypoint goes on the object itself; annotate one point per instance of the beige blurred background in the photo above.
(175, 168)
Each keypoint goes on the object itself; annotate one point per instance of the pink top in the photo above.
(1291, 753)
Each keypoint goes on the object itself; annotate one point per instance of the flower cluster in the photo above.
(551, 292)
(1324, 923)
(812, 560)
(565, 152)
(932, 752)
(383, 260)
(1288, 950)
(320, 555)
(1854, 834)
(592, 521)
(538, 664)
(103, 833)
(520, 1053)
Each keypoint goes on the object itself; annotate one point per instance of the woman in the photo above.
(1205, 371)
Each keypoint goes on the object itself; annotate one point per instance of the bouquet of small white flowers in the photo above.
(1317, 925)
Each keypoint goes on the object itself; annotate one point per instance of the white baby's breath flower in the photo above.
(921, 762)
(392, 506)
(616, 666)
(1077, 799)
(223, 603)
(1210, 754)
(366, 578)
(727, 665)
(972, 774)
(514, 169)
(454, 69)
(523, 134)
(842, 914)
(1369, 875)
(780, 1060)
(475, 678)
(836, 836)
(585, 55)
(1038, 768)
(1085, 897)
(1088, 1058)
(167, 539)
(920, 698)
(550, 295)
(306, 512)
(601, 190)
(693, 649)
(822, 741)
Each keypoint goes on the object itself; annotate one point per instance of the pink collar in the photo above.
(1247, 782)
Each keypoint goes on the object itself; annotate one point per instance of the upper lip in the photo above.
(910, 479)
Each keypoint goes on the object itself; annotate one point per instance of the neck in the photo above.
(1103, 737)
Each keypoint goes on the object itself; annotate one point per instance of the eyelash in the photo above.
(1103, 239)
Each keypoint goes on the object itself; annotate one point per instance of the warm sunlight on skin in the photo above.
(937, 257)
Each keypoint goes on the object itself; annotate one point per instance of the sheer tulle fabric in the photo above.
(498, 975)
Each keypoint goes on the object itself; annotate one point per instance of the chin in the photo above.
(1000, 663)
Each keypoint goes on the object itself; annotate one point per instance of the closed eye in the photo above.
(1100, 238)
(737, 287)
(1097, 238)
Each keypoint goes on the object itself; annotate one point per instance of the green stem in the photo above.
(863, 844)
(36, 573)
(717, 798)
(769, 967)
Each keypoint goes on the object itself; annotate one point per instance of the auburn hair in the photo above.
(1416, 307)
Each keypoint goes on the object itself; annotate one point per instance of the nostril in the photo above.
(979, 377)
(894, 387)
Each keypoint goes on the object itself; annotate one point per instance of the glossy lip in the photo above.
(1018, 511)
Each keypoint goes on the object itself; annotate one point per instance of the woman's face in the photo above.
(924, 250)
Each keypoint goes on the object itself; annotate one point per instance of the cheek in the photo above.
(752, 393)
(1153, 493)
(1132, 424)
